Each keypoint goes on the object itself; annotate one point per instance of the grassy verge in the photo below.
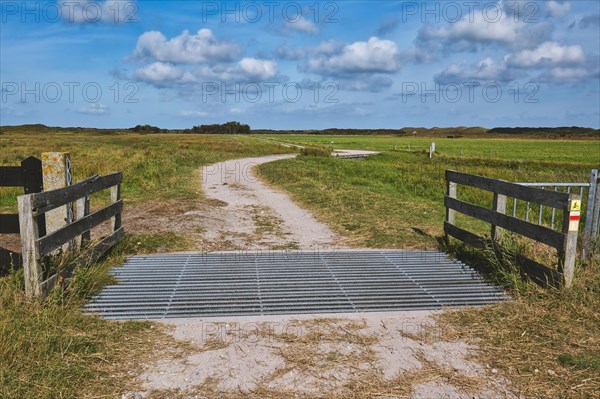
(53, 350)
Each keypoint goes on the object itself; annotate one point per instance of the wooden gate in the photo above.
(564, 241)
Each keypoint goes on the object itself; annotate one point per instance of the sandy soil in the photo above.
(257, 216)
(237, 212)
(353, 153)
(391, 355)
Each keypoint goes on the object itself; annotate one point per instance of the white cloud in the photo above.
(159, 72)
(481, 30)
(94, 109)
(555, 63)
(569, 74)
(286, 52)
(590, 21)
(486, 70)
(558, 9)
(489, 69)
(189, 114)
(501, 26)
(372, 56)
(548, 53)
(302, 25)
(248, 70)
(329, 47)
(372, 83)
(259, 69)
(185, 48)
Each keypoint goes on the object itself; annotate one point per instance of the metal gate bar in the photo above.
(232, 284)
(591, 228)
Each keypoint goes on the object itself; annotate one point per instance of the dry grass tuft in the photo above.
(544, 341)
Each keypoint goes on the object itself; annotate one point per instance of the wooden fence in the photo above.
(29, 176)
(565, 241)
(37, 246)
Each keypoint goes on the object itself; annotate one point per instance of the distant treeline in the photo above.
(333, 132)
(573, 130)
(235, 127)
(405, 131)
(148, 129)
(455, 132)
(232, 127)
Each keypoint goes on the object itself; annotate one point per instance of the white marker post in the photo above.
(431, 150)
(570, 229)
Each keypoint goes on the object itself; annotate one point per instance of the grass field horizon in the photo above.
(391, 199)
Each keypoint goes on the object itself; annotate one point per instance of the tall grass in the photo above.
(155, 167)
(52, 350)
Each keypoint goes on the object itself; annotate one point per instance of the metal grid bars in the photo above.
(234, 284)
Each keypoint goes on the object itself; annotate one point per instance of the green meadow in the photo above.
(155, 167)
(395, 199)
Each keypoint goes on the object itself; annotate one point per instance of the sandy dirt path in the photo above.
(256, 216)
(373, 355)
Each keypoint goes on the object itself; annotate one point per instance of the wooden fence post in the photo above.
(499, 205)
(570, 228)
(33, 182)
(31, 255)
(57, 174)
(115, 196)
(83, 209)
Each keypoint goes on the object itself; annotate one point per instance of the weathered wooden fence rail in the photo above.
(37, 246)
(565, 241)
(29, 176)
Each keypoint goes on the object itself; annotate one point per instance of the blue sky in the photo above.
(300, 65)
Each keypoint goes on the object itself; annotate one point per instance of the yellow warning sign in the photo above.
(576, 205)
